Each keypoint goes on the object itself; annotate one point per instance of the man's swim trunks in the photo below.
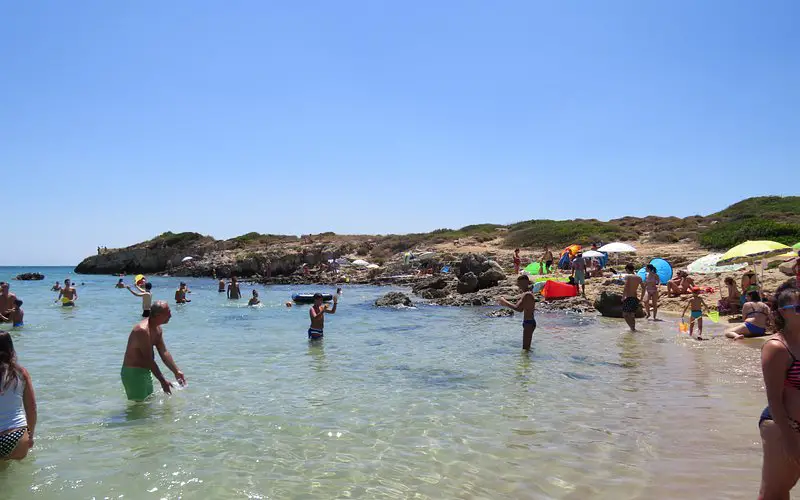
(137, 382)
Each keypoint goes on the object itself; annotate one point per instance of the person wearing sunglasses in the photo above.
(780, 422)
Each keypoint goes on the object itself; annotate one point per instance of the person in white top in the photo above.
(147, 297)
(17, 404)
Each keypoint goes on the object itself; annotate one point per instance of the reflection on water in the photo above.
(429, 402)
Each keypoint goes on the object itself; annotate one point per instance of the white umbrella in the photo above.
(426, 255)
(708, 265)
(360, 263)
(373, 266)
(617, 247)
(186, 259)
(592, 254)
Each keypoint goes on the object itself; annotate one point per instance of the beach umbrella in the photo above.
(617, 247)
(709, 265)
(186, 259)
(426, 255)
(752, 251)
(373, 266)
(360, 263)
(592, 254)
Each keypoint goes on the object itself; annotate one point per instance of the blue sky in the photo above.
(121, 120)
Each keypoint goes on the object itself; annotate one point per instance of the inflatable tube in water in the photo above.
(308, 298)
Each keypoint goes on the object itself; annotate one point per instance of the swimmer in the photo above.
(288, 305)
(698, 307)
(180, 294)
(67, 295)
(630, 302)
(317, 315)
(119, 284)
(17, 315)
(221, 287)
(17, 404)
(233, 289)
(527, 306)
(56, 287)
(140, 362)
(147, 298)
(7, 300)
(254, 299)
(339, 291)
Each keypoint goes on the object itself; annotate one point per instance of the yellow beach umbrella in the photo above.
(751, 251)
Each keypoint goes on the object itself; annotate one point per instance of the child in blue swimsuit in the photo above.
(526, 305)
(698, 306)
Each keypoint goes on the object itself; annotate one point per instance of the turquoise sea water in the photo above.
(419, 403)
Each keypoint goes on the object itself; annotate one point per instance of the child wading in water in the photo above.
(697, 306)
(526, 305)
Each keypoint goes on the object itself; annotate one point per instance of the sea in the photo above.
(414, 403)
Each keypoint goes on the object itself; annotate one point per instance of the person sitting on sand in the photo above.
(730, 303)
(680, 285)
(180, 294)
(120, 284)
(17, 404)
(139, 361)
(749, 284)
(67, 295)
(254, 299)
(517, 261)
(317, 315)
(56, 287)
(596, 270)
(527, 306)
(756, 316)
(698, 307)
(233, 289)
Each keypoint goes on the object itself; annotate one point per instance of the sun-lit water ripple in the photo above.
(416, 403)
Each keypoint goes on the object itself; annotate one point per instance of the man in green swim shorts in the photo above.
(140, 361)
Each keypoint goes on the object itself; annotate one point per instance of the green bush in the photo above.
(563, 233)
(772, 207)
(172, 239)
(725, 235)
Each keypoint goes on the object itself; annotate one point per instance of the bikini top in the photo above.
(793, 373)
(754, 312)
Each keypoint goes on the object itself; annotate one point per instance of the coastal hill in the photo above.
(266, 255)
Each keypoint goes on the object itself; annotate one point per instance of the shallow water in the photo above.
(417, 403)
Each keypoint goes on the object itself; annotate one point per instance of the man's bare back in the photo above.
(632, 284)
(142, 339)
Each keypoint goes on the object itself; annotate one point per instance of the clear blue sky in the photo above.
(121, 120)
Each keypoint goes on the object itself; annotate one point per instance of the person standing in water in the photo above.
(180, 294)
(779, 424)
(147, 297)
(527, 306)
(317, 315)
(67, 295)
(221, 286)
(650, 297)
(17, 404)
(17, 315)
(7, 299)
(119, 284)
(140, 361)
(698, 306)
(56, 287)
(254, 299)
(233, 289)
(630, 302)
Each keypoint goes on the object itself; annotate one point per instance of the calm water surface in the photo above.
(417, 403)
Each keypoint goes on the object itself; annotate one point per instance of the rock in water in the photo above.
(500, 313)
(433, 293)
(29, 277)
(610, 305)
(436, 283)
(394, 299)
(467, 283)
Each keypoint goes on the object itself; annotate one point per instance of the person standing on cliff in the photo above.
(233, 289)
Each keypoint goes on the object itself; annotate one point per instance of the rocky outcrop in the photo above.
(29, 277)
(467, 283)
(394, 299)
(435, 283)
(491, 277)
(610, 305)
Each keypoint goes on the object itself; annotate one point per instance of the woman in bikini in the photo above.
(756, 316)
(651, 291)
(780, 422)
(17, 404)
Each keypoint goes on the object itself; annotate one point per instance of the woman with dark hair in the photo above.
(17, 404)
(730, 304)
(780, 421)
(756, 315)
(651, 282)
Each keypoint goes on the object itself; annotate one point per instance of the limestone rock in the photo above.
(610, 305)
(29, 277)
(467, 283)
(393, 299)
